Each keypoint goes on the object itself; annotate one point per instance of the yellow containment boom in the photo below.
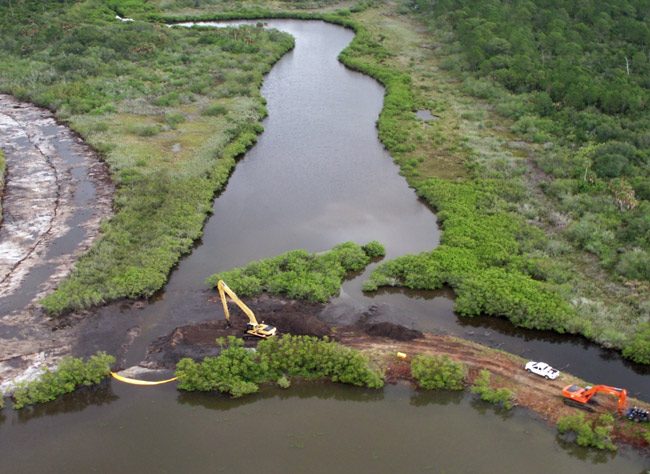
(128, 380)
(252, 327)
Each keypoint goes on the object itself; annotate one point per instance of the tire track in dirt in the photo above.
(533, 392)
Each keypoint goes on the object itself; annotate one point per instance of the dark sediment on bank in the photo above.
(288, 316)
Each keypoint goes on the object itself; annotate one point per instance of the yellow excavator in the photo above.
(252, 327)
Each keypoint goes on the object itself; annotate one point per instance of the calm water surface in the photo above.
(314, 428)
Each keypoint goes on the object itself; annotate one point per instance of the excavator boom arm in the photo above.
(620, 393)
(225, 290)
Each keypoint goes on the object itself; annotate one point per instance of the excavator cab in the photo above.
(261, 330)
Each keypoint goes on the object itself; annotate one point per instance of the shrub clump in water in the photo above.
(70, 374)
(239, 371)
(590, 433)
(438, 372)
(497, 396)
(299, 274)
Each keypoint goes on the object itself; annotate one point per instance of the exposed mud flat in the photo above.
(57, 192)
(289, 316)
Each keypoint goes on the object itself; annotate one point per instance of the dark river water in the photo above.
(318, 176)
(314, 428)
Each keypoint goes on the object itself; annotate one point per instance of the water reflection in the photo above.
(77, 401)
(484, 408)
(321, 390)
(121, 428)
(423, 398)
(595, 456)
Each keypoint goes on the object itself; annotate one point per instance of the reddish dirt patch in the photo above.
(533, 392)
(398, 370)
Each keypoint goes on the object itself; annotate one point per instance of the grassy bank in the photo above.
(169, 110)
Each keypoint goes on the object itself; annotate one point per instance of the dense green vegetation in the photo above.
(239, 371)
(438, 372)
(594, 433)
(504, 250)
(497, 396)
(577, 74)
(639, 347)
(301, 275)
(146, 97)
(481, 257)
(70, 374)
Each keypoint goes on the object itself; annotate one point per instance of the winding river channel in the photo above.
(318, 176)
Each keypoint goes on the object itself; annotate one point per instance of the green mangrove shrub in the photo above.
(497, 396)
(595, 433)
(639, 347)
(438, 372)
(308, 357)
(234, 371)
(283, 382)
(70, 374)
(299, 274)
(239, 371)
(481, 257)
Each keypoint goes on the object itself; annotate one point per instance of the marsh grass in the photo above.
(136, 92)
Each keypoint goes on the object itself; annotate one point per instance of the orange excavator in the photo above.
(580, 396)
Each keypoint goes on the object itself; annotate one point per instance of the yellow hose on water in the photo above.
(141, 382)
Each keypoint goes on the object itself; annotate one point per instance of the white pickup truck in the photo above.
(543, 370)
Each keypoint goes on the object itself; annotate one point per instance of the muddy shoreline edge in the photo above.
(381, 342)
